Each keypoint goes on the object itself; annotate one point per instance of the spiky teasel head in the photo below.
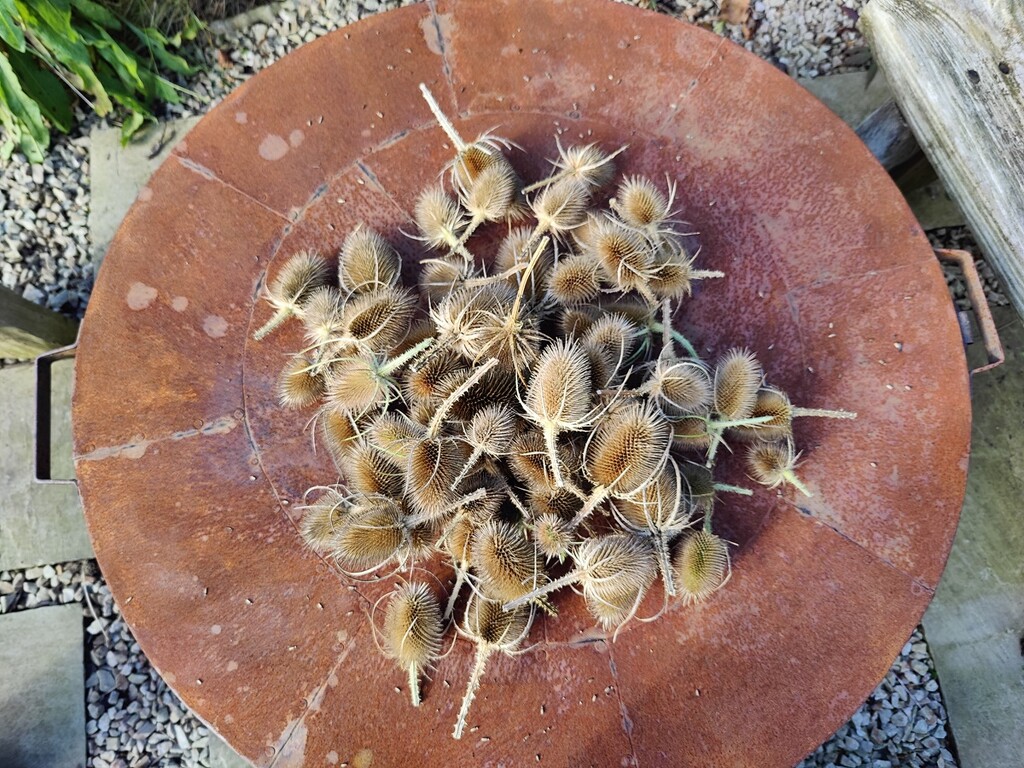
(458, 318)
(640, 203)
(393, 435)
(338, 431)
(491, 429)
(561, 207)
(738, 376)
(772, 463)
(367, 262)
(412, 631)
(487, 505)
(458, 539)
(474, 159)
(489, 196)
(626, 258)
(322, 520)
(660, 506)
(299, 386)
(321, 314)
(433, 466)
(486, 622)
(497, 385)
(588, 164)
(628, 448)
(561, 502)
(680, 386)
(302, 274)
(700, 566)
(573, 322)
(379, 320)
(700, 486)
(506, 561)
(615, 573)
(515, 340)
(554, 535)
(423, 383)
(440, 277)
(514, 251)
(374, 533)
(671, 276)
(372, 472)
(616, 336)
(439, 219)
(529, 463)
(691, 433)
(574, 280)
(355, 385)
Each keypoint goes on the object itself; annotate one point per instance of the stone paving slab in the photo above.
(118, 173)
(223, 756)
(39, 524)
(975, 624)
(42, 708)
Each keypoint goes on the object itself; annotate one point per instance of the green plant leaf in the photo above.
(75, 56)
(131, 124)
(45, 88)
(156, 43)
(10, 32)
(96, 13)
(35, 137)
(159, 89)
(57, 15)
(125, 63)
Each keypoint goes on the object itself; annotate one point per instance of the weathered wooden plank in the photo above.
(956, 68)
(27, 329)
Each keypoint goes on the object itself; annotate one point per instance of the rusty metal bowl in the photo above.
(191, 475)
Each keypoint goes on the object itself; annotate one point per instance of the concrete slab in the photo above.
(223, 756)
(39, 524)
(118, 173)
(975, 625)
(42, 705)
(851, 95)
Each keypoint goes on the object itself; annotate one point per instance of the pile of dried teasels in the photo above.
(523, 410)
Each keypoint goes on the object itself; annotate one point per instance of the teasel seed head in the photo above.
(700, 566)
(373, 473)
(620, 579)
(660, 506)
(489, 196)
(423, 384)
(491, 429)
(506, 561)
(323, 520)
(691, 433)
(497, 385)
(773, 463)
(302, 274)
(412, 631)
(626, 258)
(439, 219)
(515, 250)
(528, 461)
(574, 280)
(573, 322)
(393, 435)
(374, 534)
(640, 203)
(561, 207)
(700, 486)
(588, 164)
(433, 465)
(379, 320)
(680, 386)
(554, 535)
(299, 386)
(616, 336)
(367, 262)
(338, 431)
(560, 502)
(441, 277)
(628, 448)
(321, 314)
(356, 386)
(738, 376)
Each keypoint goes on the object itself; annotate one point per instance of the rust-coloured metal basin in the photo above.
(190, 475)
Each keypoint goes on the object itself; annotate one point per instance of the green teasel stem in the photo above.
(483, 653)
(442, 411)
(442, 119)
(796, 482)
(679, 338)
(414, 684)
(725, 488)
(274, 322)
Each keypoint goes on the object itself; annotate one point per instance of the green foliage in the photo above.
(54, 51)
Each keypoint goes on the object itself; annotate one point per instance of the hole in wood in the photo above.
(1004, 67)
(973, 76)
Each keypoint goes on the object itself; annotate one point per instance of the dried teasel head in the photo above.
(423, 383)
(574, 280)
(680, 386)
(374, 533)
(554, 535)
(773, 463)
(412, 631)
(614, 336)
(626, 258)
(515, 251)
(373, 473)
(573, 322)
(560, 502)
(323, 520)
(355, 385)
(506, 561)
(440, 277)
(302, 274)
(490, 194)
(628, 448)
(367, 262)
(738, 376)
(700, 566)
(489, 433)
(640, 203)
(619, 571)
(338, 431)
(439, 219)
(659, 507)
(299, 386)
(561, 207)
(430, 474)
(497, 385)
(321, 314)
(691, 433)
(588, 164)
(558, 398)
(379, 320)
(393, 435)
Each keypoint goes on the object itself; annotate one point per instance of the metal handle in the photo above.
(43, 398)
(976, 294)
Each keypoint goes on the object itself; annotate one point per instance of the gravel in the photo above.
(134, 719)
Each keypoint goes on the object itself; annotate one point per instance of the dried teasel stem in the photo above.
(442, 119)
(442, 410)
(302, 274)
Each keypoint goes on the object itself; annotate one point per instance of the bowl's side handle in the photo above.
(42, 415)
(976, 294)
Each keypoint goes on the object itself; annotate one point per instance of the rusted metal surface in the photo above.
(190, 474)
